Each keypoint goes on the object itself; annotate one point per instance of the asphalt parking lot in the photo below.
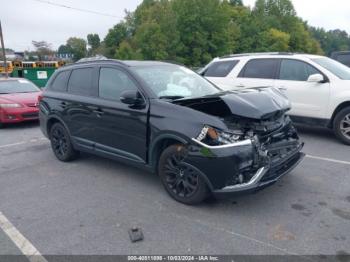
(87, 206)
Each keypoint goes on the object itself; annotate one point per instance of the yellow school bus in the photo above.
(9, 67)
(28, 64)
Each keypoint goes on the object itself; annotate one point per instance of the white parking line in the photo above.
(328, 159)
(20, 241)
(23, 142)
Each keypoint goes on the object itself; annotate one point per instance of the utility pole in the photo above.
(3, 51)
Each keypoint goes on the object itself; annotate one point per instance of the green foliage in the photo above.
(333, 40)
(195, 31)
(42, 49)
(204, 30)
(236, 2)
(64, 49)
(274, 40)
(94, 42)
(77, 47)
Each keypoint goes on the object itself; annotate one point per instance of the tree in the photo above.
(281, 15)
(236, 2)
(115, 36)
(77, 47)
(203, 26)
(43, 49)
(274, 40)
(126, 52)
(333, 40)
(64, 49)
(194, 31)
(94, 42)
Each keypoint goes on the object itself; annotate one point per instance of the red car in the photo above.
(19, 100)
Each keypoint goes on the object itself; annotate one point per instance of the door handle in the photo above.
(282, 88)
(240, 86)
(64, 104)
(98, 111)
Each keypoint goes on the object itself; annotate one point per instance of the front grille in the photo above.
(32, 104)
(30, 115)
(276, 171)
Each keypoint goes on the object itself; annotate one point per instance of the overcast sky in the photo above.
(27, 20)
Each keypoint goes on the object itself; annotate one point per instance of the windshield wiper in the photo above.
(171, 97)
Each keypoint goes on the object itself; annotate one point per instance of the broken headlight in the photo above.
(213, 137)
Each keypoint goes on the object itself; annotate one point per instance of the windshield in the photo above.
(17, 86)
(338, 69)
(175, 82)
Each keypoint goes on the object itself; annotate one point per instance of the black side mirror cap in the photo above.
(131, 97)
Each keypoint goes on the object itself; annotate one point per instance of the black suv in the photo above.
(170, 120)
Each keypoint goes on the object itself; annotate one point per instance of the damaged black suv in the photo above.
(168, 119)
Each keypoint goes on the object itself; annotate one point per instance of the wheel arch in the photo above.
(164, 141)
(53, 120)
(336, 111)
(159, 144)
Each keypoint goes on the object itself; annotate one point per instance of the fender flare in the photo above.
(157, 140)
(59, 119)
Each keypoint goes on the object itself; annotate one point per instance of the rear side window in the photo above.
(260, 68)
(220, 69)
(344, 59)
(80, 81)
(296, 70)
(113, 82)
(60, 82)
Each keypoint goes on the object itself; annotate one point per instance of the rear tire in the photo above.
(183, 182)
(61, 143)
(341, 125)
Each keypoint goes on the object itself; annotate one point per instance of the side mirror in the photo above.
(316, 78)
(131, 97)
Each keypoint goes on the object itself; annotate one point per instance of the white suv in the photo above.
(318, 87)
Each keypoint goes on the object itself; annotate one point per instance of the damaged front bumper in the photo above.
(245, 166)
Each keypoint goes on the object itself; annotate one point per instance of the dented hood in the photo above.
(257, 103)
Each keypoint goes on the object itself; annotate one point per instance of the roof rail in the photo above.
(257, 54)
(172, 62)
(98, 59)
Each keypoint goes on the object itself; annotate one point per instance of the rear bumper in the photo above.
(19, 115)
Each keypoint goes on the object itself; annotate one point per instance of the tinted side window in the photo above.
(113, 82)
(60, 82)
(80, 81)
(296, 70)
(220, 69)
(344, 59)
(260, 68)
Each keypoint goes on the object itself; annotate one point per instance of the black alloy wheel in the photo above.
(182, 181)
(61, 144)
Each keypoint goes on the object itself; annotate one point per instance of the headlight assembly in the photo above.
(213, 137)
(10, 105)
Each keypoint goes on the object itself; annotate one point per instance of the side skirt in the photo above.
(311, 121)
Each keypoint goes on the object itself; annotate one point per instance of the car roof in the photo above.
(127, 63)
(268, 55)
(136, 63)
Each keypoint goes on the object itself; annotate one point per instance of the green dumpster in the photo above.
(17, 72)
(38, 75)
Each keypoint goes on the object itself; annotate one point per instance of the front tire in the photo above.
(342, 125)
(61, 143)
(183, 182)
